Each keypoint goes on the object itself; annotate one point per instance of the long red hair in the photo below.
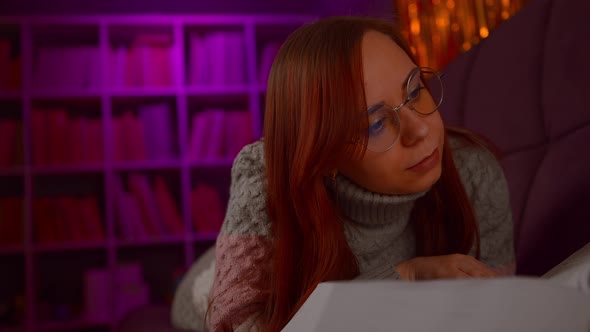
(315, 108)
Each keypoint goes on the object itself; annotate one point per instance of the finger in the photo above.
(475, 268)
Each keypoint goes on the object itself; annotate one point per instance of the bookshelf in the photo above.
(105, 122)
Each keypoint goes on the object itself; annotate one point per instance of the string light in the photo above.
(438, 30)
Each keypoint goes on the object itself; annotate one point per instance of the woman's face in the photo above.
(413, 164)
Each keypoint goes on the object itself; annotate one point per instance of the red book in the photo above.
(11, 221)
(58, 137)
(43, 220)
(77, 140)
(140, 188)
(167, 207)
(40, 137)
(62, 231)
(14, 74)
(95, 141)
(4, 63)
(90, 215)
(125, 226)
(8, 137)
(69, 211)
(207, 209)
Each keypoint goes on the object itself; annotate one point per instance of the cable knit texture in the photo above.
(377, 229)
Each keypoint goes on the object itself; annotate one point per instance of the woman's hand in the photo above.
(443, 267)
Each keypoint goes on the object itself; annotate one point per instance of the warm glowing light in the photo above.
(415, 27)
(451, 4)
(484, 32)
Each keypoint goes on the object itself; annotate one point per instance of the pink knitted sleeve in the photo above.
(243, 248)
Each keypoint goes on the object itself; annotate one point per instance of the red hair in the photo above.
(314, 108)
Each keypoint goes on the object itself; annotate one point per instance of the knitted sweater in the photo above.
(377, 229)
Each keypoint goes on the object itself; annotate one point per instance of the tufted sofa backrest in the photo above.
(527, 88)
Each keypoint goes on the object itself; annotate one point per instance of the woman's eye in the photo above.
(415, 92)
(377, 127)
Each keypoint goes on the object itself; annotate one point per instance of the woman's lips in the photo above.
(427, 163)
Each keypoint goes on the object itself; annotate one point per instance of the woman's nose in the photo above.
(414, 127)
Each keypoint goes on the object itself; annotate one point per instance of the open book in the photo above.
(503, 304)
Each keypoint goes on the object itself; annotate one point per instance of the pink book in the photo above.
(119, 57)
(207, 209)
(98, 295)
(40, 137)
(269, 52)
(140, 188)
(167, 206)
(58, 137)
(134, 67)
(158, 128)
(236, 59)
(215, 142)
(90, 214)
(158, 67)
(199, 135)
(217, 45)
(138, 223)
(8, 144)
(5, 49)
(197, 61)
(119, 142)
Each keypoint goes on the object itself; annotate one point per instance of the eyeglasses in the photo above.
(384, 122)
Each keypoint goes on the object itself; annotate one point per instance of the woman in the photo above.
(356, 177)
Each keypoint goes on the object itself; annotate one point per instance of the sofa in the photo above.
(527, 89)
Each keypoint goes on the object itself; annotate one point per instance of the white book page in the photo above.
(509, 304)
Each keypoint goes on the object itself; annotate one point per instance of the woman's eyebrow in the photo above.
(373, 108)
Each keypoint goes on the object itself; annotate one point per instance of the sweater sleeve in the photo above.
(243, 248)
(486, 186)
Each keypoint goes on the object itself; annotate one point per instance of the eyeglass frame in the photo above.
(395, 109)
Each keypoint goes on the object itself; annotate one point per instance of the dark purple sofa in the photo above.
(527, 88)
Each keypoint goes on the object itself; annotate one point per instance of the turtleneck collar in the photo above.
(370, 208)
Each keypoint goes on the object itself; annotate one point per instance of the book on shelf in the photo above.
(139, 186)
(267, 57)
(129, 223)
(105, 296)
(158, 130)
(207, 208)
(10, 142)
(153, 128)
(5, 49)
(145, 62)
(217, 58)
(66, 218)
(67, 67)
(11, 221)
(167, 206)
(58, 138)
(10, 66)
(217, 134)
(144, 211)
